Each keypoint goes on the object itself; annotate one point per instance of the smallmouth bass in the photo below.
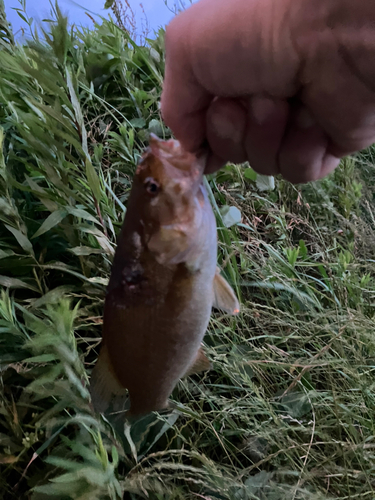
(163, 285)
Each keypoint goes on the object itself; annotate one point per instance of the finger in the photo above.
(341, 92)
(225, 129)
(214, 163)
(350, 126)
(210, 51)
(304, 155)
(183, 102)
(267, 120)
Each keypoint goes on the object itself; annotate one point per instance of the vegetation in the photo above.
(287, 411)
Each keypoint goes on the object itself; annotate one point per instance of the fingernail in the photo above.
(224, 128)
(262, 109)
(304, 119)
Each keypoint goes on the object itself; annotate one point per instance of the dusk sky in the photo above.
(156, 11)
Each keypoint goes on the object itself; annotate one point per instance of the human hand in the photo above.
(287, 85)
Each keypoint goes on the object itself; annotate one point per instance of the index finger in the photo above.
(184, 101)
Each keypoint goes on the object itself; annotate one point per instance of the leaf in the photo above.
(23, 241)
(2, 159)
(257, 482)
(60, 266)
(250, 174)
(127, 429)
(81, 214)
(84, 250)
(47, 443)
(265, 182)
(65, 490)
(98, 280)
(153, 437)
(62, 463)
(15, 283)
(78, 113)
(22, 16)
(53, 296)
(296, 404)
(155, 55)
(303, 249)
(108, 4)
(36, 110)
(6, 253)
(230, 216)
(43, 358)
(93, 180)
(138, 122)
(106, 245)
(302, 296)
(52, 220)
(155, 127)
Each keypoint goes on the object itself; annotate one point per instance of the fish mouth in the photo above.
(171, 151)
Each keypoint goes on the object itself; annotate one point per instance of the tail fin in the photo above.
(107, 394)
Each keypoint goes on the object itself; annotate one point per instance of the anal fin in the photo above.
(107, 394)
(200, 364)
(224, 296)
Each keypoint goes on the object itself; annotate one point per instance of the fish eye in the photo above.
(152, 187)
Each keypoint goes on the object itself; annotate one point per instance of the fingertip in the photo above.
(329, 164)
(184, 101)
(323, 166)
(267, 120)
(188, 128)
(225, 129)
(214, 163)
(304, 156)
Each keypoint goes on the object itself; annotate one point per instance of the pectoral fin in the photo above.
(224, 297)
(200, 364)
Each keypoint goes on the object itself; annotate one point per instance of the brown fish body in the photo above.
(161, 290)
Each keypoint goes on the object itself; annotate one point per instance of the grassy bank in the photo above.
(288, 409)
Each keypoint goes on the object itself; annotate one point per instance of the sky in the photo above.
(156, 11)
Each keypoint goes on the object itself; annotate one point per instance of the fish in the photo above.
(164, 282)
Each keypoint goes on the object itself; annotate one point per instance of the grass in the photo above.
(287, 411)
